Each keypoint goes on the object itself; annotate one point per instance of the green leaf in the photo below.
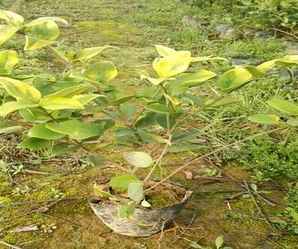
(150, 137)
(70, 91)
(6, 32)
(20, 90)
(78, 130)
(126, 211)
(219, 242)
(128, 110)
(146, 119)
(158, 108)
(164, 51)
(60, 103)
(34, 115)
(288, 60)
(138, 159)
(136, 191)
(41, 34)
(98, 191)
(266, 66)
(40, 131)
(11, 18)
(126, 136)
(187, 80)
(234, 79)
(8, 60)
(35, 144)
(13, 106)
(86, 54)
(85, 99)
(120, 183)
(173, 64)
(101, 71)
(269, 119)
(284, 106)
(256, 73)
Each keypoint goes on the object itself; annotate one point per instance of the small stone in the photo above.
(190, 21)
(225, 31)
(291, 47)
(243, 61)
(188, 175)
(263, 35)
(30, 228)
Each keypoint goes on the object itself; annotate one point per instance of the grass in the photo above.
(134, 27)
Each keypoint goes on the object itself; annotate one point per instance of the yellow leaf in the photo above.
(20, 90)
(173, 64)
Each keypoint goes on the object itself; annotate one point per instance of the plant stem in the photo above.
(169, 133)
(207, 155)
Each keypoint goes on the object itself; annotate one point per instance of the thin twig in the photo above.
(207, 155)
(286, 33)
(254, 199)
(9, 245)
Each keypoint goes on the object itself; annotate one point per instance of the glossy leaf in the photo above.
(13, 106)
(288, 60)
(269, 119)
(101, 71)
(164, 51)
(234, 79)
(78, 130)
(20, 90)
(60, 103)
(6, 32)
(138, 159)
(34, 115)
(136, 191)
(187, 80)
(266, 66)
(41, 34)
(284, 106)
(40, 131)
(120, 183)
(8, 60)
(173, 64)
(85, 99)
